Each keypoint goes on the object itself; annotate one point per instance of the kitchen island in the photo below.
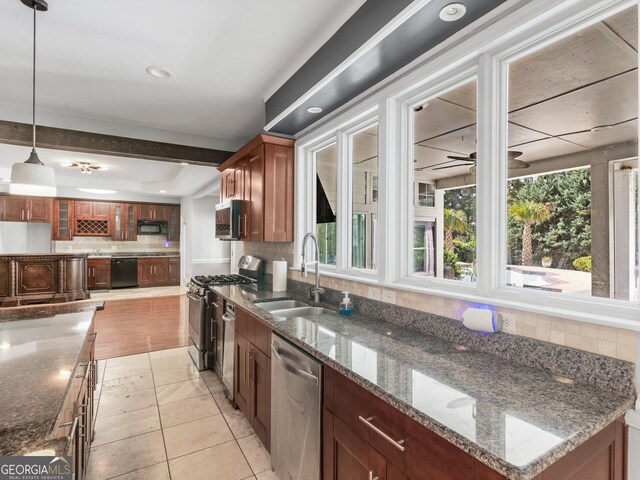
(47, 378)
(42, 278)
(457, 410)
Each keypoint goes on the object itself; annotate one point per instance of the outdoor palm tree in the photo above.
(455, 221)
(528, 213)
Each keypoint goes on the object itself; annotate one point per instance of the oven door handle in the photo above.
(194, 297)
(228, 318)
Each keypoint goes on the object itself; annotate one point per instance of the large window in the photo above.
(572, 164)
(444, 168)
(506, 176)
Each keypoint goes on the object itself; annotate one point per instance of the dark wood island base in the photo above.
(27, 279)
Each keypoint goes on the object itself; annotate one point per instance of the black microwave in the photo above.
(228, 220)
(152, 227)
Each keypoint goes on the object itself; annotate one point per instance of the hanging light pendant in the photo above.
(33, 177)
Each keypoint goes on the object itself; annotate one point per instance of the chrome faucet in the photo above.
(316, 291)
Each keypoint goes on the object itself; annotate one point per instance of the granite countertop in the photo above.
(516, 419)
(40, 349)
(47, 254)
(133, 254)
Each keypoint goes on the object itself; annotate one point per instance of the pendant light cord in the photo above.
(33, 104)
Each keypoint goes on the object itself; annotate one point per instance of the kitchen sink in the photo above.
(280, 305)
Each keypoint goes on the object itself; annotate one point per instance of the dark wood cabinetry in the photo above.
(151, 211)
(124, 221)
(98, 273)
(90, 210)
(28, 279)
(158, 271)
(261, 175)
(18, 208)
(173, 226)
(365, 437)
(62, 219)
(252, 382)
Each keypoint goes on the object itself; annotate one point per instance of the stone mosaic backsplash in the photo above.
(144, 243)
(607, 341)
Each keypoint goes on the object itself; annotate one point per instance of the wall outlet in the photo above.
(508, 322)
(374, 293)
(389, 296)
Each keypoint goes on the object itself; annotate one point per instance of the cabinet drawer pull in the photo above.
(371, 477)
(367, 421)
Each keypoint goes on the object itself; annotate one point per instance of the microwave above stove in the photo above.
(152, 227)
(228, 220)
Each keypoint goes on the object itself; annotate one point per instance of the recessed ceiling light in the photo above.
(452, 12)
(185, 163)
(162, 191)
(314, 110)
(158, 72)
(97, 190)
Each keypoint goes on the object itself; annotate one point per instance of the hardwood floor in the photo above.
(126, 327)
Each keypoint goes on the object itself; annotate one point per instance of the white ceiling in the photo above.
(125, 175)
(226, 57)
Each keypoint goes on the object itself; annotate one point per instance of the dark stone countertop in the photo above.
(40, 347)
(516, 419)
(133, 254)
(52, 255)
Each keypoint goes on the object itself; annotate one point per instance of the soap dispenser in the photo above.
(345, 305)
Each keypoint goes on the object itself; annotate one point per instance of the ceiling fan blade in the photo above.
(462, 159)
(512, 163)
(451, 166)
(511, 154)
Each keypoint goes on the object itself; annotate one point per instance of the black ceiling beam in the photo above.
(86, 142)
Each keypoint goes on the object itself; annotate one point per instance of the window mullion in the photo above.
(343, 209)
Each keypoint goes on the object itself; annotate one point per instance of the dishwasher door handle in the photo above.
(295, 370)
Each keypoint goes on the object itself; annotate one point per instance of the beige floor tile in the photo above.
(223, 462)
(222, 401)
(181, 390)
(238, 424)
(186, 410)
(111, 373)
(212, 381)
(267, 475)
(122, 403)
(192, 436)
(255, 453)
(171, 361)
(119, 427)
(160, 471)
(125, 456)
(128, 360)
(165, 376)
(168, 352)
(124, 385)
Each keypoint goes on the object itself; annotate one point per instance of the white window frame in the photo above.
(484, 56)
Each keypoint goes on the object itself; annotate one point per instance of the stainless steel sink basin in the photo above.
(300, 312)
(280, 305)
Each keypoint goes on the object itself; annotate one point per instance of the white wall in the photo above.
(22, 237)
(202, 253)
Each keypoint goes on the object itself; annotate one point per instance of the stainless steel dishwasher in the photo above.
(296, 380)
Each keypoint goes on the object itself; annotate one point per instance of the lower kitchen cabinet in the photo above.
(158, 271)
(98, 273)
(393, 446)
(252, 382)
(173, 272)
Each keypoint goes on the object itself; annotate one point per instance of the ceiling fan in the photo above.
(472, 160)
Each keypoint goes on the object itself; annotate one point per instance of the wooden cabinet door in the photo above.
(38, 209)
(260, 377)
(62, 220)
(5, 284)
(99, 273)
(242, 385)
(13, 208)
(146, 269)
(131, 222)
(278, 193)
(36, 277)
(117, 221)
(100, 210)
(253, 204)
(161, 213)
(83, 210)
(173, 227)
(174, 271)
(350, 453)
(144, 211)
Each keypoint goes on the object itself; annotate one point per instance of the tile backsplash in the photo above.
(611, 342)
(144, 243)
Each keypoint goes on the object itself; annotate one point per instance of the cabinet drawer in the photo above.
(262, 337)
(391, 422)
(351, 402)
(245, 323)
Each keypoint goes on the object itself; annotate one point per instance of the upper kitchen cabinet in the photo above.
(89, 210)
(148, 211)
(173, 226)
(124, 221)
(18, 208)
(92, 218)
(261, 174)
(62, 219)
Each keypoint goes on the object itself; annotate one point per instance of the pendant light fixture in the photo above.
(33, 177)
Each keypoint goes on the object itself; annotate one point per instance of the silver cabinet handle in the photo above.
(367, 421)
(228, 318)
(291, 369)
(371, 477)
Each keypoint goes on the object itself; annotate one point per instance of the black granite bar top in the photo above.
(40, 348)
(516, 419)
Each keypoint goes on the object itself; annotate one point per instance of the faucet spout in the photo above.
(316, 291)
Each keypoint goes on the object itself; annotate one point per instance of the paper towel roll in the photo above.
(280, 276)
(482, 320)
